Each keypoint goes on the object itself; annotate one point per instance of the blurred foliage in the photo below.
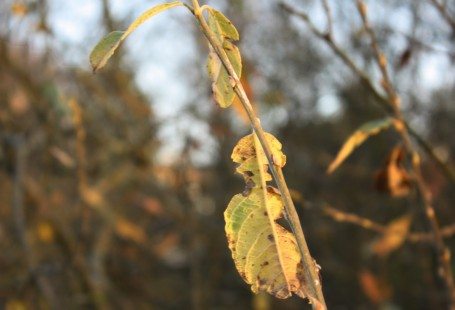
(90, 219)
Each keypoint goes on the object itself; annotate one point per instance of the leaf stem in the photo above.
(311, 275)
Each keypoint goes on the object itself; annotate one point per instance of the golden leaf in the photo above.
(45, 232)
(394, 236)
(265, 253)
(128, 230)
(357, 138)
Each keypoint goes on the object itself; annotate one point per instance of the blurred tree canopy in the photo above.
(91, 216)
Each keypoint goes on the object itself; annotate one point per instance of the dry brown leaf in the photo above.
(394, 236)
(393, 178)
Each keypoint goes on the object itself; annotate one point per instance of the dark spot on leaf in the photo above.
(261, 282)
(270, 237)
(264, 263)
(265, 213)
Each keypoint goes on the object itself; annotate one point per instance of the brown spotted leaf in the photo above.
(265, 253)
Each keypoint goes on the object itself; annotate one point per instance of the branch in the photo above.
(311, 270)
(442, 9)
(445, 268)
(365, 223)
(365, 80)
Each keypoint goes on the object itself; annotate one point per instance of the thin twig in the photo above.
(366, 81)
(365, 223)
(445, 269)
(328, 15)
(311, 270)
(442, 9)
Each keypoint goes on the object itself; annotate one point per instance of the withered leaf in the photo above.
(393, 178)
(394, 236)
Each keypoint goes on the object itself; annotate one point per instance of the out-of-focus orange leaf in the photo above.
(152, 206)
(237, 104)
(19, 103)
(393, 178)
(374, 288)
(128, 230)
(394, 236)
(19, 9)
(45, 232)
(92, 197)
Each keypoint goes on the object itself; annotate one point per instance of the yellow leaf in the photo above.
(245, 149)
(45, 232)
(223, 29)
(130, 231)
(265, 253)
(394, 236)
(360, 135)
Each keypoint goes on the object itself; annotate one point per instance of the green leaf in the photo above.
(357, 138)
(221, 25)
(264, 252)
(107, 46)
(222, 89)
(105, 49)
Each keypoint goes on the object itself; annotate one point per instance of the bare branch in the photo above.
(366, 81)
(445, 268)
(442, 9)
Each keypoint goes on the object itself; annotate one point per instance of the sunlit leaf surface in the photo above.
(265, 253)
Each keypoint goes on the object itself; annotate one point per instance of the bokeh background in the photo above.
(113, 186)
